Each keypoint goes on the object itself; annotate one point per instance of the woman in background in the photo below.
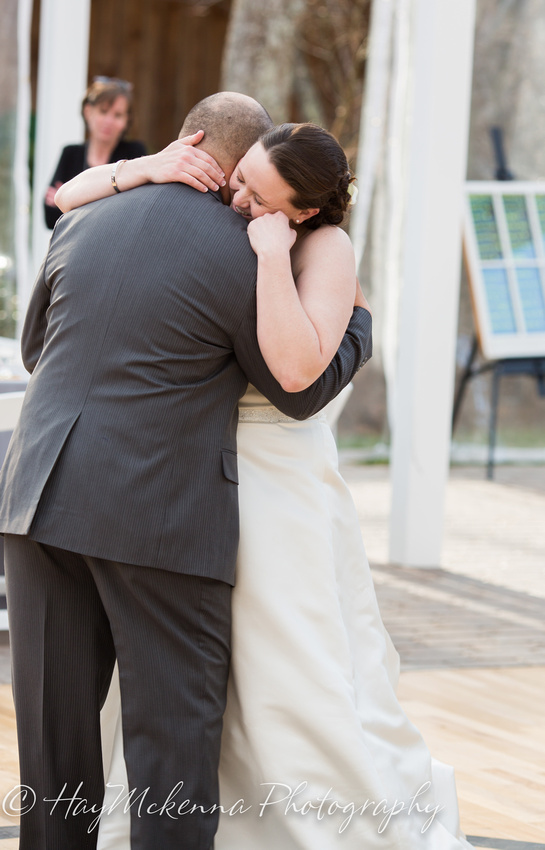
(106, 110)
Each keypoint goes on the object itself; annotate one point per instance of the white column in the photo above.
(373, 119)
(441, 92)
(62, 80)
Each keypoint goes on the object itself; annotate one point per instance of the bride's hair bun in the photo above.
(313, 163)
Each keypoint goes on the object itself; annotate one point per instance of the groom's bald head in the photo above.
(232, 123)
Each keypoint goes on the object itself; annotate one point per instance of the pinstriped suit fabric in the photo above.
(125, 446)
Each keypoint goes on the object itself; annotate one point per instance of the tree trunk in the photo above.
(259, 53)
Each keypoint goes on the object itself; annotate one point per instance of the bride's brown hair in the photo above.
(313, 163)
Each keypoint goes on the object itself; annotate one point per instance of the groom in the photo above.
(119, 496)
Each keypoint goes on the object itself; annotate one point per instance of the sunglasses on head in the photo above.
(122, 84)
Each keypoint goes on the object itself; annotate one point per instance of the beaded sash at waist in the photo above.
(267, 413)
(264, 413)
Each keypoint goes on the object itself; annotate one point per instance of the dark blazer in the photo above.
(141, 338)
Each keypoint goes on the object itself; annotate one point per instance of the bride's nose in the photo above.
(240, 198)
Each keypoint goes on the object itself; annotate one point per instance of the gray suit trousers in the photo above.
(70, 617)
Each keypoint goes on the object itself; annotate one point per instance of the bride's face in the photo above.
(257, 188)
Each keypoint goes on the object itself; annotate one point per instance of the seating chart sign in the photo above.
(504, 240)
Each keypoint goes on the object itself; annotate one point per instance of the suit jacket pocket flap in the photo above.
(229, 461)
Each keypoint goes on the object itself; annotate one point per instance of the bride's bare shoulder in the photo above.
(327, 241)
(326, 237)
(324, 252)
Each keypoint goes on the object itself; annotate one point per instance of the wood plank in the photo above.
(9, 763)
(170, 53)
(489, 725)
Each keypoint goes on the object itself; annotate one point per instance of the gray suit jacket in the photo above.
(141, 338)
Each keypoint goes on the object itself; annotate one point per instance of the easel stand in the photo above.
(532, 366)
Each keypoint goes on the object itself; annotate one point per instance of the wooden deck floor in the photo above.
(487, 722)
(9, 767)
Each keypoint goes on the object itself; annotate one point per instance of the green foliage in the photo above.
(511, 436)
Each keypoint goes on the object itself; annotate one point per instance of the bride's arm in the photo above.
(304, 303)
(179, 162)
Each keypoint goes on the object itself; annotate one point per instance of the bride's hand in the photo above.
(180, 162)
(271, 233)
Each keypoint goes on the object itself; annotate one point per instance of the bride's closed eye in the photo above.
(240, 179)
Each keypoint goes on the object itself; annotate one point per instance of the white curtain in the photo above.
(20, 163)
(377, 225)
(14, 177)
(8, 114)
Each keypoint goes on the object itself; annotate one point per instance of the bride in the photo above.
(317, 752)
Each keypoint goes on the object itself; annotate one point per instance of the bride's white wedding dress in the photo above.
(317, 753)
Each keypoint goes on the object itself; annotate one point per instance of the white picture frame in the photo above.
(504, 247)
